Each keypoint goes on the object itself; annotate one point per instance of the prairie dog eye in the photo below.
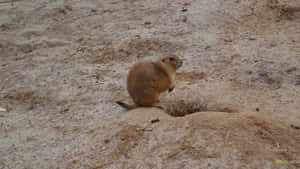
(171, 59)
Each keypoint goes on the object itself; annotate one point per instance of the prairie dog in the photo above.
(146, 80)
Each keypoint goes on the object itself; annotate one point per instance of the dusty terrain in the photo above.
(63, 64)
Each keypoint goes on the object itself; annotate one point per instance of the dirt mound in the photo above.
(200, 140)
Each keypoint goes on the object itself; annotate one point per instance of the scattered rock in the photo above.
(63, 11)
(295, 127)
(273, 44)
(147, 23)
(259, 132)
(64, 109)
(267, 77)
(2, 109)
(183, 9)
(249, 72)
(228, 40)
(4, 27)
(186, 3)
(144, 129)
(155, 120)
(207, 47)
(184, 18)
(26, 48)
(68, 7)
(292, 69)
(80, 39)
(252, 37)
(80, 49)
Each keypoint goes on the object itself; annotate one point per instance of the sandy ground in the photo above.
(63, 64)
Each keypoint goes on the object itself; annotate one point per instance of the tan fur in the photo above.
(146, 80)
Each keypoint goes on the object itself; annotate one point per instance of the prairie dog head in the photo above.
(170, 63)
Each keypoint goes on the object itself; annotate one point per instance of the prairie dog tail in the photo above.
(126, 106)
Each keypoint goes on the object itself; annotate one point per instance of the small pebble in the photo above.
(259, 132)
(292, 69)
(147, 23)
(155, 120)
(2, 109)
(186, 4)
(63, 11)
(68, 7)
(80, 49)
(227, 40)
(183, 9)
(80, 39)
(207, 47)
(295, 127)
(252, 37)
(184, 18)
